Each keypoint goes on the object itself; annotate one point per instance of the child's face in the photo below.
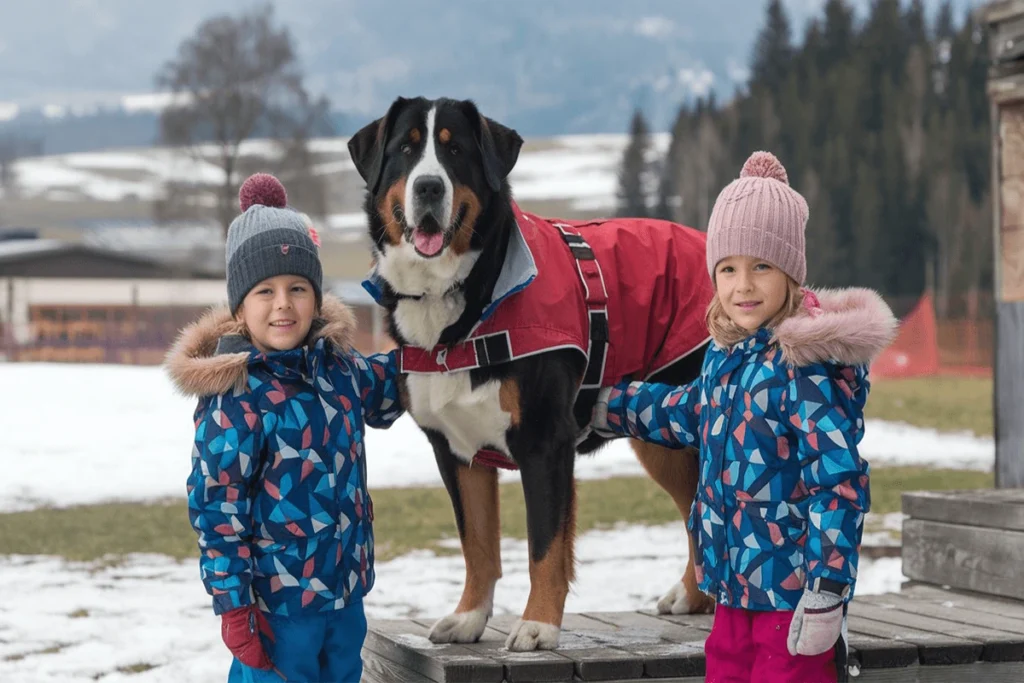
(750, 290)
(278, 312)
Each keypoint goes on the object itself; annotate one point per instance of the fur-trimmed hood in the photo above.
(212, 357)
(849, 326)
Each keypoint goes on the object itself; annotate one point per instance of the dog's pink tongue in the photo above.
(428, 244)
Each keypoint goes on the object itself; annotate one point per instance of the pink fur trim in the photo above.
(852, 326)
(196, 371)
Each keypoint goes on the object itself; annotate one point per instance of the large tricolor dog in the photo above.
(508, 324)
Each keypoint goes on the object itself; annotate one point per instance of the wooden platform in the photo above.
(971, 540)
(923, 633)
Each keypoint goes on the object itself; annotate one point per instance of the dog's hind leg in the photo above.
(474, 494)
(551, 523)
(677, 472)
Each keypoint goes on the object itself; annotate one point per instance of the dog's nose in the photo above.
(429, 188)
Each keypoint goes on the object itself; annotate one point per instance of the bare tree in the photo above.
(237, 78)
(12, 148)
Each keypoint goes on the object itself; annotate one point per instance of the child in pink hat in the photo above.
(777, 414)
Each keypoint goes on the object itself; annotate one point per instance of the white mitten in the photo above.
(599, 420)
(817, 623)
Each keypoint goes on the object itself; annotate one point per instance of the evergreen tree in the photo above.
(773, 51)
(635, 171)
(886, 126)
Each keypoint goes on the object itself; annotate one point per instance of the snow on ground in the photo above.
(582, 169)
(79, 434)
(71, 622)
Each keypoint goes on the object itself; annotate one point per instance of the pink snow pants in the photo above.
(750, 647)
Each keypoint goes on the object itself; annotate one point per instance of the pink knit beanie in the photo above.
(760, 215)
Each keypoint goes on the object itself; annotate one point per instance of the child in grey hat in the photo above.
(278, 493)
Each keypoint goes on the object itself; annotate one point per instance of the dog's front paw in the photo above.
(532, 635)
(678, 600)
(461, 627)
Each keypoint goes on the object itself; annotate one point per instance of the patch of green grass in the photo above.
(52, 650)
(135, 668)
(406, 519)
(948, 404)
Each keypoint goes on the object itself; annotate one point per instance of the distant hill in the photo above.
(546, 67)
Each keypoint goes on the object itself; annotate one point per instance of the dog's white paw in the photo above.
(532, 635)
(679, 601)
(462, 627)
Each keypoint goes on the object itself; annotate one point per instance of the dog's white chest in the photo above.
(471, 419)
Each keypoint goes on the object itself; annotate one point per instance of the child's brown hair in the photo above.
(727, 333)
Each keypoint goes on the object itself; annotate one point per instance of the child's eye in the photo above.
(299, 288)
(265, 290)
(725, 269)
(763, 266)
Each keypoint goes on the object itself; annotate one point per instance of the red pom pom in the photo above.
(263, 189)
(764, 165)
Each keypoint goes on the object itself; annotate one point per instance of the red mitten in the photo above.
(241, 628)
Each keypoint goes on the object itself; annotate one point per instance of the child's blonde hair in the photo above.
(727, 333)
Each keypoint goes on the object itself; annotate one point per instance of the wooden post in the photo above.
(1005, 20)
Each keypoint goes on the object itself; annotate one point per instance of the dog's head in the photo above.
(432, 167)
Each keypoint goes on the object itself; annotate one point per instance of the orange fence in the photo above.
(926, 345)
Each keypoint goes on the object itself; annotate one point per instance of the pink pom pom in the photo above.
(764, 165)
(314, 235)
(263, 189)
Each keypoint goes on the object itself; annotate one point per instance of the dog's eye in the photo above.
(453, 149)
(407, 149)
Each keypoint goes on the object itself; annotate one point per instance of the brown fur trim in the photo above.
(853, 327)
(196, 370)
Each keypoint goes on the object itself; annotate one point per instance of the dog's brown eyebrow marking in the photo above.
(415, 135)
(444, 136)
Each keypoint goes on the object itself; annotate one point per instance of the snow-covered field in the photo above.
(581, 169)
(78, 434)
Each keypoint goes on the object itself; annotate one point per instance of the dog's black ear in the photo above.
(499, 146)
(367, 146)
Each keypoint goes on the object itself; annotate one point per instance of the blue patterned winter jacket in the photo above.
(783, 491)
(277, 493)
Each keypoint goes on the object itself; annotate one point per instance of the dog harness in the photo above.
(628, 294)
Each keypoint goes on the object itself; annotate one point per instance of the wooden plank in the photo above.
(596, 649)
(1011, 242)
(985, 560)
(947, 611)
(539, 665)
(981, 672)
(698, 621)
(871, 652)
(405, 644)
(1011, 133)
(377, 669)
(992, 508)
(964, 600)
(1009, 391)
(681, 655)
(687, 679)
(997, 646)
(932, 648)
(645, 622)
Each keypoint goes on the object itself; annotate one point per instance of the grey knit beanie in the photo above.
(269, 239)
